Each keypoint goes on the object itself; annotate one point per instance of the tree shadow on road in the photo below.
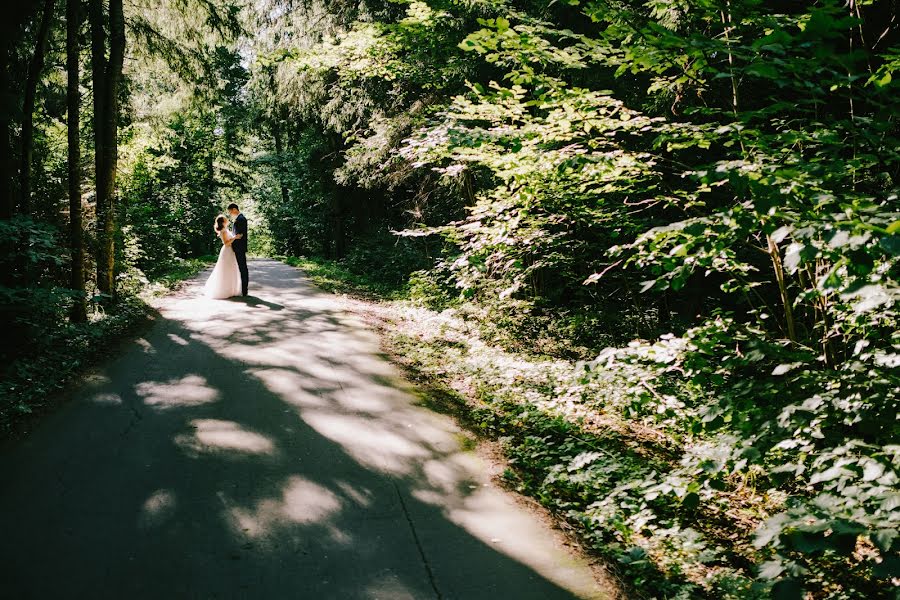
(235, 452)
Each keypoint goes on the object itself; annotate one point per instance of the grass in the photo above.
(62, 350)
(334, 277)
(175, 274)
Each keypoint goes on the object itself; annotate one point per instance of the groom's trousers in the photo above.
(242, 267)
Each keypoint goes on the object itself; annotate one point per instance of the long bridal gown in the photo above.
(225, 280)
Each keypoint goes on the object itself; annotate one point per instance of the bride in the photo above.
(225, 280)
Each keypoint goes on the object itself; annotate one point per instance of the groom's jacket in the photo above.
(240, 226)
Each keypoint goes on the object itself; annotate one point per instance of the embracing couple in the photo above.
(230, 276)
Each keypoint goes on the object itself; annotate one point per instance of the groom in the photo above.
(240, 245)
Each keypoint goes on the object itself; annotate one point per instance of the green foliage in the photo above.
(719, 181)
(332, 109)
(182, 168)
(295, 204)
(707, 190)
(60, 352)
(49, 350)
(779, 185)
(619, 485)
(180, 145)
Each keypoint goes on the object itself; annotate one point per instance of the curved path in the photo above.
(263, 448)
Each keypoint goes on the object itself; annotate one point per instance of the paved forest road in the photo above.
(262, 448)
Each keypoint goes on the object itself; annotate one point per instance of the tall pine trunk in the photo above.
(35, 67)
(110, 143)
(73, 101)
(106, 73)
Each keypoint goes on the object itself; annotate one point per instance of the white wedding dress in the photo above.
(225, 280)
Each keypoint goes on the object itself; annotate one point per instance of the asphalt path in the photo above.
(263, 448)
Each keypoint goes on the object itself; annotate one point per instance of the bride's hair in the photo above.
(220, 223)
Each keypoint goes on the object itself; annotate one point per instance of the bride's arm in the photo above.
(223, 235)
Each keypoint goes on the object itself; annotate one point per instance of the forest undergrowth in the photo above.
(61, 350)
(578, 437)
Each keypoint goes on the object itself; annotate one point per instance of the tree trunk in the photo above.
(73, 122)
(339, 248)
(778, 267)
(35, 67)
(14, 17)
(98, 82)
(6, 175)
(107, 74)
(279, 149)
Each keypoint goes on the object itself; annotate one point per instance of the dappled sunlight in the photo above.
(443, 475)
(145, 346)
(159, 508)
(491, 516)
(325, 363)
(211, 435)
(95, 380)
(362, 498)
(290, 385)
(178, 339)
(301, 502)
(191, 390)
(388, 587)
(368, 442)
(327, 369)
(107, 398)
(305, 501)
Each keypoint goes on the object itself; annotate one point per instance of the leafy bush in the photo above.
(778, 186)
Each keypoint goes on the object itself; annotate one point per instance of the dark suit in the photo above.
(240, 251)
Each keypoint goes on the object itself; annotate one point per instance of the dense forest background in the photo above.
(693, 202)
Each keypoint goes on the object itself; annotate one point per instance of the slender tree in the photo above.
(6, 190)
(11, 28)
(73, 101)
(107, 73)
(35, 67)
